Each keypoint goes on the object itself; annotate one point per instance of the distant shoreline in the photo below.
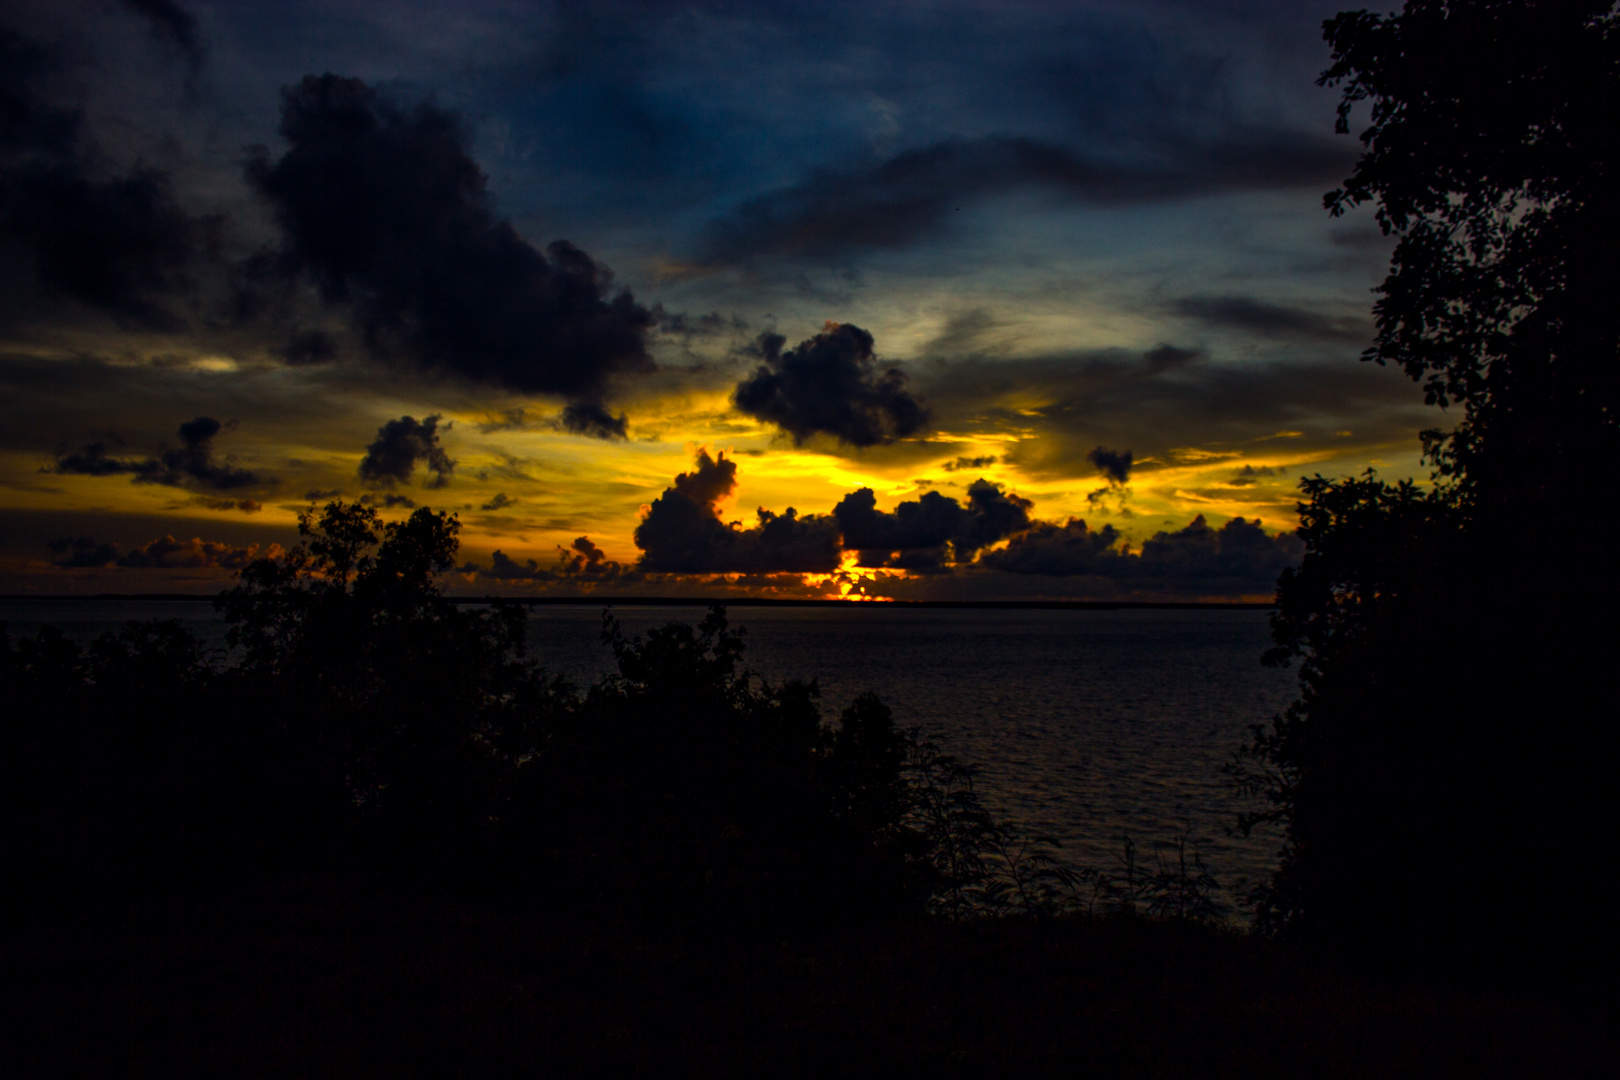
(668, 601)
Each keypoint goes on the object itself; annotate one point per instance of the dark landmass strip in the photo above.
(709, 601)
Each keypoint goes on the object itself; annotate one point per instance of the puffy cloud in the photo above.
(1239, 550)
(191, 464)
(399, 445)
(682, 532)
(588, 418)
(1114, 464)
(1237, 558)
(585, 560)
(504, 568)
(830, 383)
(581, 562)
(932, 529)
(1059, 550)
(383, 207)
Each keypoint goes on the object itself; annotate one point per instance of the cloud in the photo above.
(191, 464)
(82, 551)
(582, 562)
(1271, 320)
(682, 532)
(400, 444)
(1059, 550)
(1063, 405)
(510, 420)
(910, 196)
(591, 420)
(167, 553)
(1239, 558)
(970, 463)
(309, 347)
(931, 530)
(381, 205)
(388, 501)
(503, 568)
(830, 384)
(172, 22)
(164, 553)
(584, 559)
(1239, 550)
(246, 506)
(500, 502)
(1114, 464)
(118, 243)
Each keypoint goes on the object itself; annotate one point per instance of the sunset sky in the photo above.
(913, 300)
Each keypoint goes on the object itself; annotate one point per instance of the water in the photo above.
(1088, 725)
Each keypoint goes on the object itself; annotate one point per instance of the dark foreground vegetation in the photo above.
(1447, 779)
(379, 841)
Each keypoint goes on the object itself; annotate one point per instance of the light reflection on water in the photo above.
(1087, 724)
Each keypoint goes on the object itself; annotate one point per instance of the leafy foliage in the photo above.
(1452, 710)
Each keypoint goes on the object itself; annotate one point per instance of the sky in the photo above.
(922, 301)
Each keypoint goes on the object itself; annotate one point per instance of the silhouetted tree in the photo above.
(393, 710)
(1443, 777)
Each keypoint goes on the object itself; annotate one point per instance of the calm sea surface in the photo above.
(1088, 725)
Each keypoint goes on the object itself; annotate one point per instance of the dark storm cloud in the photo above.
(1271, 320)
(830, 384)
(1059, 550)
(1238, 558)
(399, 445)
(932, 529)
(191, 464)
(382, 206)
(909, 197)
(1239, 550)
(588, 418)
(172, 22)
(164, 553)
(309, 347)
(82, 551)
(118, 243)
(1114, 464)
(683, 534)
